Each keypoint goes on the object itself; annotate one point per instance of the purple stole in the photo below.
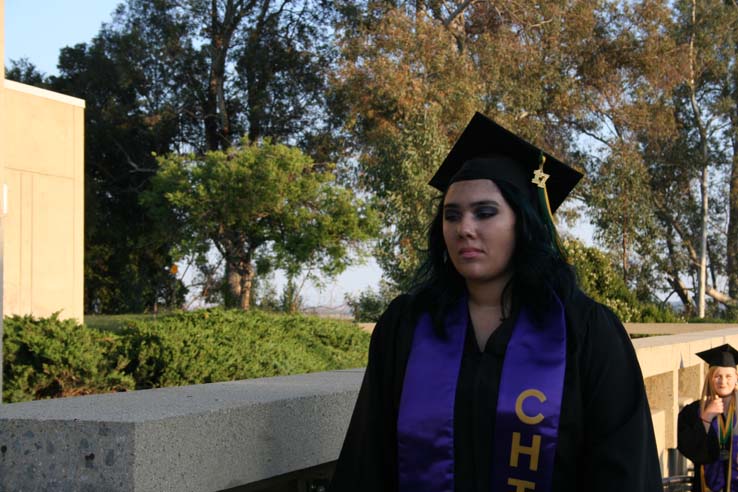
(528, 408)
(715, 474)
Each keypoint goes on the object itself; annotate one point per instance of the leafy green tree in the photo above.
(260, 204)
(234, 67)
(601, 281)
(369, 304)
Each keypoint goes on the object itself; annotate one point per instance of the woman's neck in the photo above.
(487, 295)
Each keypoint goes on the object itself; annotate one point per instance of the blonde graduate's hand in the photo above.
(713, 408)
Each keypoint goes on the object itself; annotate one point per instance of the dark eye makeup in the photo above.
(485, 212)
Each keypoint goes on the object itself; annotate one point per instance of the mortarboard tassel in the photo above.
(539, 179)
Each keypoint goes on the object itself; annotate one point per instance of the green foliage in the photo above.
(661, 88)
(115, 322)
(411, 75)
(161, 76)
(404, 92)
(218, 345)
(52, 358)
(601, 281)
(25, 72)
(637, 93)
(369, 305)
(261, 203)
(619, 195)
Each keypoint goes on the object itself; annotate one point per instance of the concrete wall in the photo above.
(44, 214)
(198, 438)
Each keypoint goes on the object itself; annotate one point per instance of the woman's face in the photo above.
(479, 230)
(723, 381)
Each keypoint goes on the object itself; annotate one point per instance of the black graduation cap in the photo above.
(723, 356)
(487, 150)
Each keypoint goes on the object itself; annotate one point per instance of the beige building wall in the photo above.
(42, 201)
(2, 174)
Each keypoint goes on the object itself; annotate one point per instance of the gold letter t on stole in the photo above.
(521, 485)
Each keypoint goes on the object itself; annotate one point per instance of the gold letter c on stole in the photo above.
(526, 419)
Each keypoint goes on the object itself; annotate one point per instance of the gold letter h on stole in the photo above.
(534, 450)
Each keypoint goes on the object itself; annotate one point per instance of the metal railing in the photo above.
(677, 483)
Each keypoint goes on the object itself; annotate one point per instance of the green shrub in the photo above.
(52, 358)
(48, 357)
(217, 345)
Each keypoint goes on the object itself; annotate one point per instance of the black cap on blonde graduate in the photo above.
(722, 356)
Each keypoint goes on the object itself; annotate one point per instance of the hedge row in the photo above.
(45, 358)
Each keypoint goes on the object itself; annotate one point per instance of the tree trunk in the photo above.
(674, 280)
(625, 248)
(703, 247)
(232, 293)
(240, 274)
(217, 119)
(732, 240)
(722, 298)
(247, 280)
(683, 293)
(258, 75)
(697, 115)
(212, 140)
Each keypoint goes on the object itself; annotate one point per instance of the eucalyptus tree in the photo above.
(411, 74)
(669, 65)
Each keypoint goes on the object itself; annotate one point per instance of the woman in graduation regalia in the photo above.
(706, 427)
(496, 373)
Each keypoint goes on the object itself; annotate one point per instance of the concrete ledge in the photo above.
(194, 438)
(674, 328)
(667, 353)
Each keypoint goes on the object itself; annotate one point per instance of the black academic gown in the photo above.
(698, 446)
(606, 440)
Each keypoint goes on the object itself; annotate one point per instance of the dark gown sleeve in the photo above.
(368, 459)
(619, 447)
(698, 446)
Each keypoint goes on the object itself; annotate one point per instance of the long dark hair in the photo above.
(539, 268)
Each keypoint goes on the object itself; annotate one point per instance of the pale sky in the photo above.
(38, 29)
